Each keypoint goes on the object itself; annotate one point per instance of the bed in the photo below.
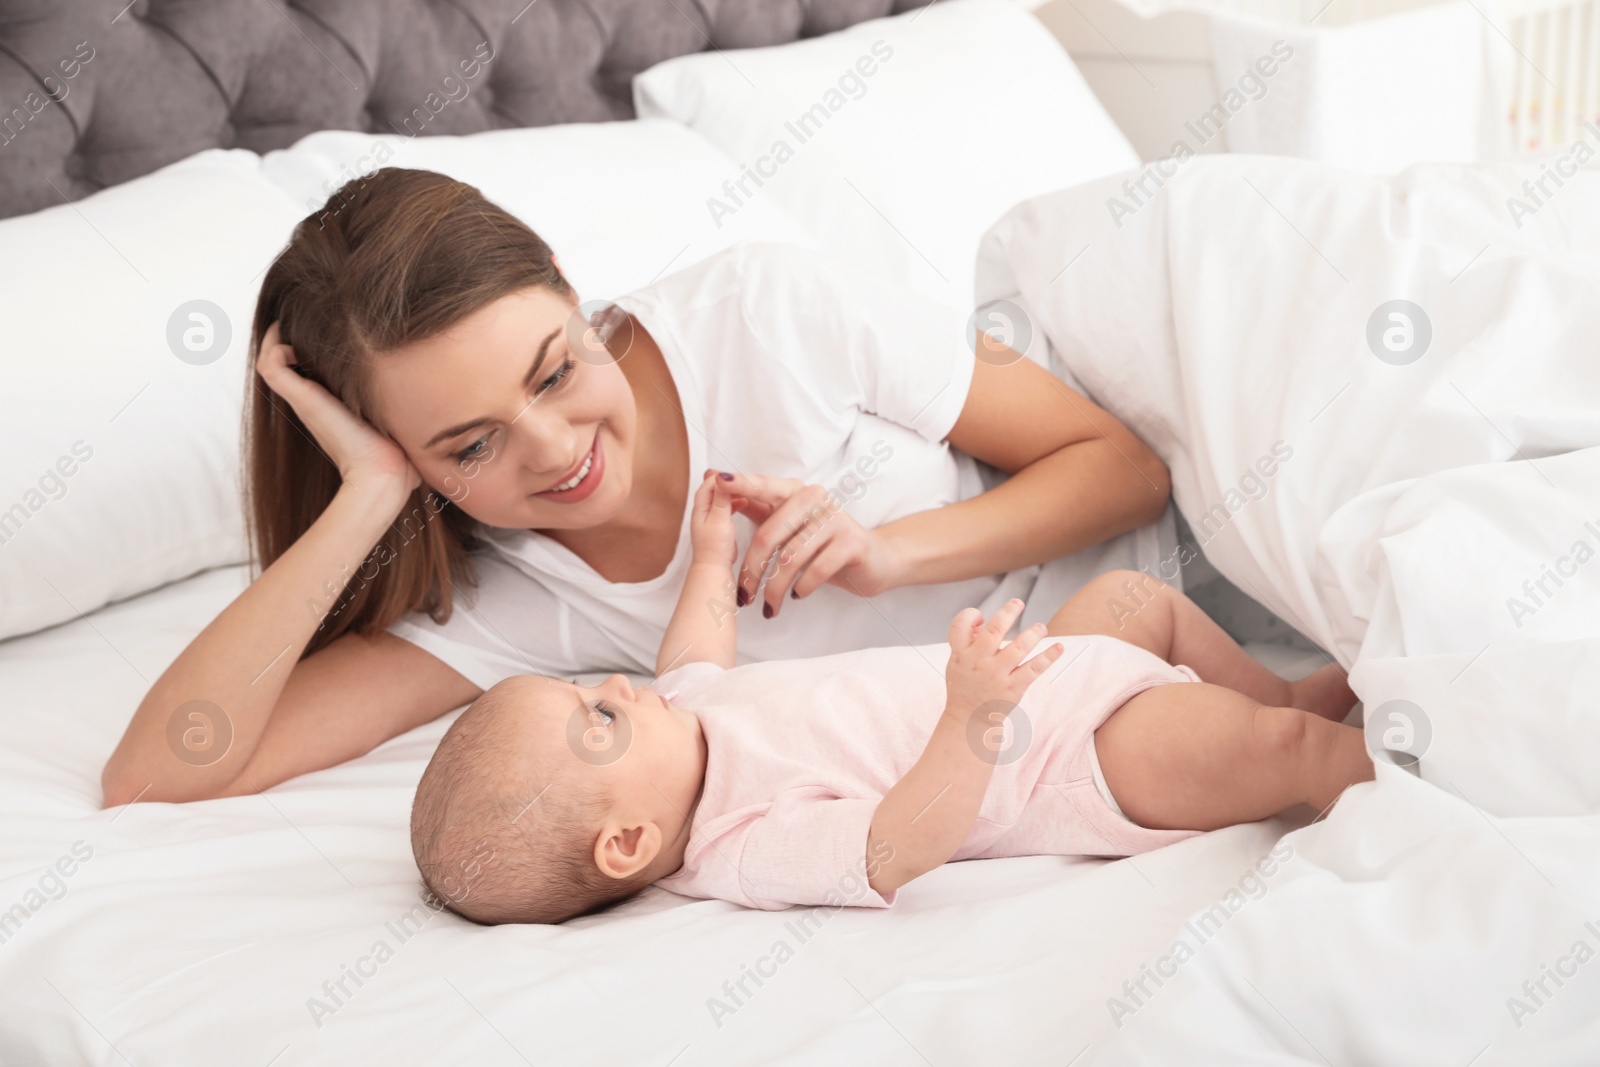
(222, 932)
(287, 927)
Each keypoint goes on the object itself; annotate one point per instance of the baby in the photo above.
(840, 779)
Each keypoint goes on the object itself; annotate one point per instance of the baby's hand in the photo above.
(982, 670)
(711, 525)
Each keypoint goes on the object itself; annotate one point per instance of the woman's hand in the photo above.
(807, 539)
(365, 457)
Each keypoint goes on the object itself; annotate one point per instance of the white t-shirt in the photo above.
(789, 363)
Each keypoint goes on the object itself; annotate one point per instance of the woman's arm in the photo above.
(203, 729)
(346, 700)
(279, 716)
(1078, 477)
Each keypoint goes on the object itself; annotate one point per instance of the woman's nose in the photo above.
(545, 448)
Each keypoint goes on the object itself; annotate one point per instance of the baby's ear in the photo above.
(623, 851)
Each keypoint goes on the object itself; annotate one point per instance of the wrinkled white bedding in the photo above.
(1450, 919)
(203, 934)
(1224, 317)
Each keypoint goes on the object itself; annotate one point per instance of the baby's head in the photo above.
(546, 799)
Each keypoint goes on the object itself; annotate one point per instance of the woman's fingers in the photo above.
(269, 344)
(754, 510)
(802, 514)
(836, 554)
(806, 563)
(801, 541)
(757, 496)
(764, 488)
(305, 396)
(275, 364)
(796, 557)
(350, 443)
(761, 494)
(273, 357)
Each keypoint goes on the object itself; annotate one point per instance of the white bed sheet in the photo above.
(198, 934)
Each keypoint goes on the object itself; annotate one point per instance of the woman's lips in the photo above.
(591, 481)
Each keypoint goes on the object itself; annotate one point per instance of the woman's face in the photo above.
(512, 416)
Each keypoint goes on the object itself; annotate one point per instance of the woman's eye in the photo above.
(556, 376)
(476, 449)
(472, 451)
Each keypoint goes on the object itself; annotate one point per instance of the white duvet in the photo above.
(1431, 516)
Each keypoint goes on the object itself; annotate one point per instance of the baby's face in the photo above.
(634, 742)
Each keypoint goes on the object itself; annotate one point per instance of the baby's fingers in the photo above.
(712, 513)
(1031, 669)
(704, 497)
(714, 499)
(1003, 619)
(721, 500)
(1026, 641)
(964, 626)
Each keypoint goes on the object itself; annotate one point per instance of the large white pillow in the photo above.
(926, 127)
(120, 466)
(619, 202)
(151, 494)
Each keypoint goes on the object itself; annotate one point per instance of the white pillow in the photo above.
(620, 203)
(153, 493)
(120, 468)
(926, 127)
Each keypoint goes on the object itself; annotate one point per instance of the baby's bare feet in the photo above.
(1325, 692)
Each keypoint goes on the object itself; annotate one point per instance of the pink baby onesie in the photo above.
(799, 752)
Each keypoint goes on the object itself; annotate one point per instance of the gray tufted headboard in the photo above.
(93, 92)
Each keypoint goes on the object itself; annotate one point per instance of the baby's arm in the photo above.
(920, 823)
(702, 627)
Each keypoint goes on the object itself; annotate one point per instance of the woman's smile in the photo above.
(580, 483)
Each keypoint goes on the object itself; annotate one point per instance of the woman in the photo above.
(454, 475)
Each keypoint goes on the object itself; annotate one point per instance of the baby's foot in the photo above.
(1325, 692)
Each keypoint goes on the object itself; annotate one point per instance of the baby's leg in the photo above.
(1193, 756)
(1145, 611)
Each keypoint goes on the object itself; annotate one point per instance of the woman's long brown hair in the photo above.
(392, 258)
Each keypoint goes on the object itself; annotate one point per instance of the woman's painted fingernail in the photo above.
(725, 476)
(766, 610)
(741, 598)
